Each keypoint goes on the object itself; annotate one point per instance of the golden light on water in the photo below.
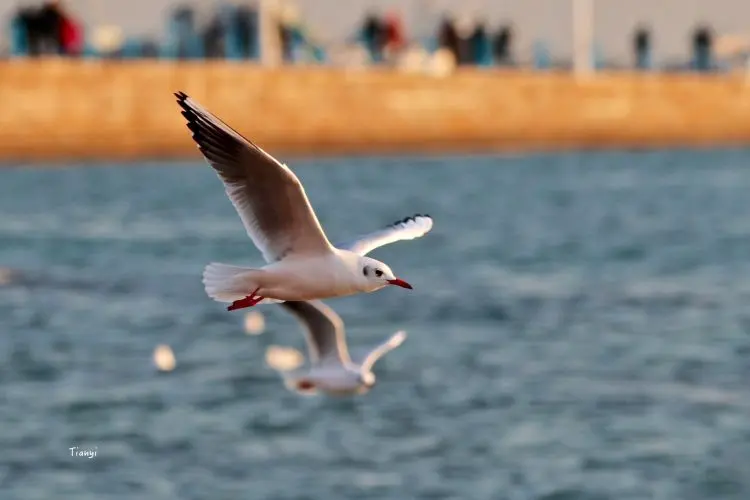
(284, 358)
(164, 358)
(255, 323)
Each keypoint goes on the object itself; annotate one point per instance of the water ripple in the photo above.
(578, 330)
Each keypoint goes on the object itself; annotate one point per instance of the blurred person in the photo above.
(247, 30)
(373, 34)
(542, 57)
(49, 28)
(216, 31)
(213, 37)
(464, 27)
(286, 33)
(481, 48)
(231, 43)
(394, 36)
(316, 43)
(642, 47)
(184, 15)
(702, 48)
(26, 32)
(502, 46)
(290, 32)
(71, 33)
(447, 36)
(186, 40)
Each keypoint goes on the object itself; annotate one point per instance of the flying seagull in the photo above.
(301, 263)
(331, 370)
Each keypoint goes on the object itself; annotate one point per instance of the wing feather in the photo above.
(409, 228)
(267, 195)
(393, 342)
(324, 331)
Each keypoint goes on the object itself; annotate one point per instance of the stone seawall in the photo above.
(58, 110)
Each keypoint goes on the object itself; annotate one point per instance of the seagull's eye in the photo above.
(378, 273)
(365, 270)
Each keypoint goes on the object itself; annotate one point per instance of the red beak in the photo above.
(400, 282)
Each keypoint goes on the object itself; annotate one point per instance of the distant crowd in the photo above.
(232, 31)
(472, 42)
(469, 43)
(228, 31)
(476, 44)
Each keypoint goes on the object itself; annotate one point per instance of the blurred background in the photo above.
(578, 325)
(670, 35)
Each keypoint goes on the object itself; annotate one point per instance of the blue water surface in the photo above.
(579, 328)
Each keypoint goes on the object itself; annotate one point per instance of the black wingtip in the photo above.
(187, 111)
(411, 218)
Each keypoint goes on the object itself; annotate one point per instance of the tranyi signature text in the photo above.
(77, 451)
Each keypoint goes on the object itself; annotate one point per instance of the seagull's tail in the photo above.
(225, 283)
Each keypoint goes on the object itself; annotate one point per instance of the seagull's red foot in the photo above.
(248, 301)
(305, 385)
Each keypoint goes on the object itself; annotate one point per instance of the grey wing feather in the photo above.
(409, 228)
(324, 330)
(268, 197)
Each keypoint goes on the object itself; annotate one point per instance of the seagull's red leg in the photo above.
(305, 385)
(257, 299)
(248, 301)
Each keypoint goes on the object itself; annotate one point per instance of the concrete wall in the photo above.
(61, 109)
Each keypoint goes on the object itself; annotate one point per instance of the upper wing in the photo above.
(407, 229)
(396, 340)
(324, 330)
(267, 195)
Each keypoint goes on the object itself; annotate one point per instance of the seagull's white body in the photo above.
(331, 370)
(301, 262)
(294, 278)
(333, 381)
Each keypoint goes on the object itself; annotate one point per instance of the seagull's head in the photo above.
(377, 275)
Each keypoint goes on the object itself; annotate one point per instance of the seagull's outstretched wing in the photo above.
(267, 195)
(407, 229)
(396, 340)
(324, 331)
